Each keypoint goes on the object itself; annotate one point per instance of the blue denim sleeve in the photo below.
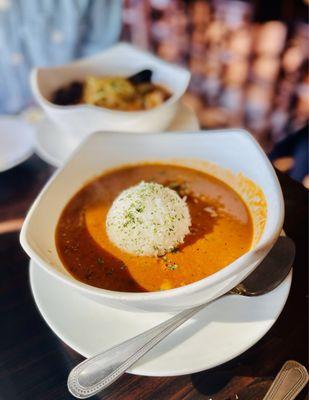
(49, 32)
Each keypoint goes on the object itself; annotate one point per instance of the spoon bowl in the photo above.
(269, 274)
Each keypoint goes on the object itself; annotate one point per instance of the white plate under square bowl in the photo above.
(91, 320)
(220, 332)
(54, 147)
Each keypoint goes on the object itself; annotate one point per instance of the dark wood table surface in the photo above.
(34, 363)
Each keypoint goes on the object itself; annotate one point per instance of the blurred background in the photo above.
(248, 59)
(249, 65)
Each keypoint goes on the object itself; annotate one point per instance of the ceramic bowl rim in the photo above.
(209, 281)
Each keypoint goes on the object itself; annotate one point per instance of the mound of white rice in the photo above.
(148, 219)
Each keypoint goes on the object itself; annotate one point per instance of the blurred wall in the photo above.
(248, 59)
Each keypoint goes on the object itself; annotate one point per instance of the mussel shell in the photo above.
(67, 95)
(143, 76)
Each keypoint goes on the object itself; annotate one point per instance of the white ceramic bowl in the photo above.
(233, 150)
(124, 60)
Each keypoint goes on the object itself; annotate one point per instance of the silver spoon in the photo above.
(98, 372)
(289, 382)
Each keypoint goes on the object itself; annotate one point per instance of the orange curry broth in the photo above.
(221, 231)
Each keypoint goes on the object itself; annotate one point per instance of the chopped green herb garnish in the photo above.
(172, 267)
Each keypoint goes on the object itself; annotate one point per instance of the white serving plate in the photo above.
(16, 142)
(54, 147)
(220, 332)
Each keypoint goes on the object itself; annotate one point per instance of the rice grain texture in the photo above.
(148, 220)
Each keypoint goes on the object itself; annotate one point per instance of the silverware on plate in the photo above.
(98, 372)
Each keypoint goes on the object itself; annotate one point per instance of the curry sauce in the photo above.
(221, 231)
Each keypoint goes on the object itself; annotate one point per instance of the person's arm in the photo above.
(102, 26)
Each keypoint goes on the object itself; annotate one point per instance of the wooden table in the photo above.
(34, 363)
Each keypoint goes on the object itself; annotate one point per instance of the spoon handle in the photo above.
(98, 372)
(290, 380)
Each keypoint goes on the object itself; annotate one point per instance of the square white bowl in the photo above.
(232, 149)
(123, 60)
